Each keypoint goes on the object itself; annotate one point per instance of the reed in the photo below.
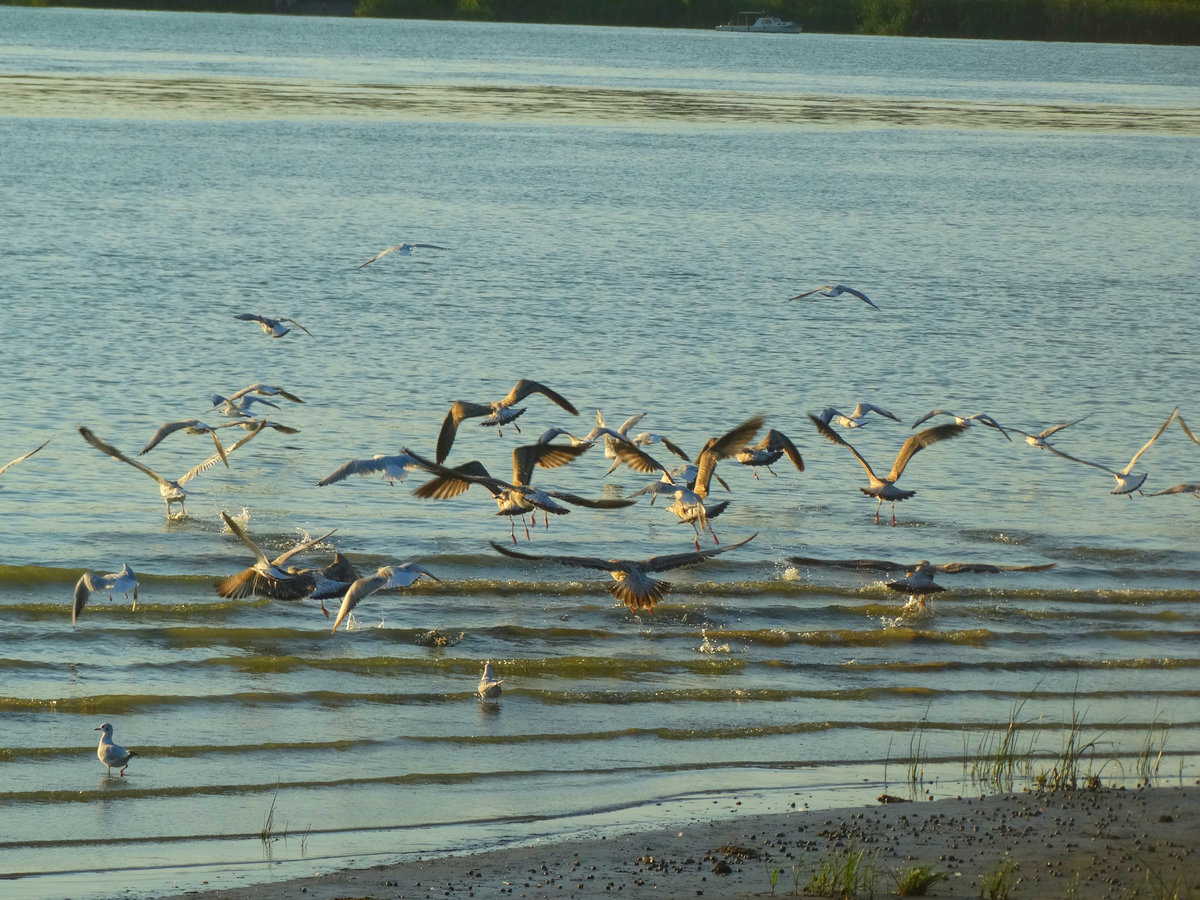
(1066, 771)
(846, 875)
(1149, 756)
(267, 833)
(998, 759)
(998, 882)
(916, 881)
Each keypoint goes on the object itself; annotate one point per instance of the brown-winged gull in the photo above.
(499, 413)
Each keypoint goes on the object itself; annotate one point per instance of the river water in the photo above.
(627, 212)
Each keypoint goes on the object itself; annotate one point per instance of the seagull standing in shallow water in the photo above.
(111, 754)
(124, 582)
(489, 685)
(836, 290)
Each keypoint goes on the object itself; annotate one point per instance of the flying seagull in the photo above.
(1039, 439)
(385, 578)
(190, 426)
(632, 584)
(274, 327)
(836, 290)
(124, 582)
(983, 418)
(499, 412)
(769, 451)
(405, 249)
(171, 491)
(1127, 482)
(4, 468)
(856, 418)
(267, 577)
(884, 488)
(394, 468)
(111, 754)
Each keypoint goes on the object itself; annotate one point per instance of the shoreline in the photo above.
(1105, 843)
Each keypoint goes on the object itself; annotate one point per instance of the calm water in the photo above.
(628, 212)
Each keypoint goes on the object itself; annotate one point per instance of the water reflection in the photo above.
(247, 99)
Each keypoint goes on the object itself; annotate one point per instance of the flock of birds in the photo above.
(688, 485)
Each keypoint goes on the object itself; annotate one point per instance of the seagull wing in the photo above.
(679, 560)
(1058, 452)
(929, 415)
(458, 411)
(881, 564)
(1056, 428)
(298, 325)
(602, 503)
(359, 591)
(859, 294)
(300, 548)
(957, 568)
(990, 423)
(777, 440)
(577, 562)
(637, 459)
(8, 465)
(548, 456)
(1171, 418)
(245, 538)
(380, 255)
(82, 592)
(674, 448)
(832, 435)
(920, 441)
(1182, 424)
(525, 387)
(863, 408)
(727, 445)
(1179, 489)
(627, 424)
(221, 456)
(809, 293)
(117, 454)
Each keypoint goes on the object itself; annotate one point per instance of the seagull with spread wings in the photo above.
(267, 577)
(386, 578)
(632, 584)
(499, 412)
(124, 582)
(404, 249)
(982, 418)
(857, 418)
(836, 290)
(394, 469)
(1127, 482)
(171, 490)
(518, 497)
(1039, 439)
(772, 448)
(884, 487)
(274, 327)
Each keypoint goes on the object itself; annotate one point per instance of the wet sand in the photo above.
(1110, 843)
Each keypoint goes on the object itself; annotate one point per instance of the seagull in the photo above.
(489, 684)
(632, 584)
(612, 435)
(403, 249)
(238, 404)
(499, 413)
(770, 450)
(111, 754)
(274, 327)
(689, 506)
(885, 488)
(1039, 439)
(267, 577)
(332, 580)
(191, 426)
(394, 469)
(4, 468)
(856, 419)
(1182, 424)
(551, 433)
(387, 577)
(124, 581)
(171, 491)
(1127, 482)
(918, 579)
(519, 497)
(1186, 488)
(963, 420)
(836, 290)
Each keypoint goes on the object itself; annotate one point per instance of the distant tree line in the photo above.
(1111, 21)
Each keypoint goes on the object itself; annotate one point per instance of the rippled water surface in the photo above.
(627, 212)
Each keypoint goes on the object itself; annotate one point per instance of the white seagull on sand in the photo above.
(632, 585)
(498, 413)
(124, 582)
(404, 249)
(274, 327)
(111, 754)
(386, 578)
(489, 685)
(1127, 482)
(884, 488)
(836, 290)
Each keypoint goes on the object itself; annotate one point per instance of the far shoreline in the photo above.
(1087, 844)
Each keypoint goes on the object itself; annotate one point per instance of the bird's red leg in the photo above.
(512, 528)
(893, 515)
(526, 524)
(877, 505)
(754, 469)
(772, 471)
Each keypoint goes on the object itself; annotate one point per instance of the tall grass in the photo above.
(847, 875)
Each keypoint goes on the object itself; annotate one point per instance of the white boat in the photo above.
(761, 24)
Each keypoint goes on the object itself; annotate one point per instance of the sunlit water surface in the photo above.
(628, 212)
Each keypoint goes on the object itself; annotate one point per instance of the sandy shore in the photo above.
(1088, 844)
